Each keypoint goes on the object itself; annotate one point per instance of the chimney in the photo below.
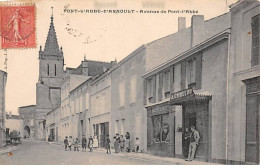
(181, 23)
(104, 69)
(197, 29)
(85, 67)
(113, 62)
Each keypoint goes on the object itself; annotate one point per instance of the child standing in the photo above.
(108, 145)
(90, 144)
(76, 145)
(66, 143)
(70, 141)
(137, 144)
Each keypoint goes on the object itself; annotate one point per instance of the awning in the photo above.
(191, 97)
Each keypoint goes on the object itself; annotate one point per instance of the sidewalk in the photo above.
(144, 156)
(147, 157)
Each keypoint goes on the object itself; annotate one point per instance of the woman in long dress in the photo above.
(117, 143)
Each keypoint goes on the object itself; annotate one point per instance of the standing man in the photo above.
(186, 144)
(194, 141)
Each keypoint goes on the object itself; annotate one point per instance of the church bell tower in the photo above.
(48, 88)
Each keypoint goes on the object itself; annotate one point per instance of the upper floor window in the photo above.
(167, 83)
(122, 93)
(48, 69)
(151, 89)
(55, 70)
(191, 74)
(255, 58)
(133, 89)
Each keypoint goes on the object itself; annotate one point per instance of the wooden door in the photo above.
(202, 128)
(252, 128)
(102, 135)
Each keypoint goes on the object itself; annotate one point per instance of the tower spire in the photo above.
(51, 44)
(51, 12)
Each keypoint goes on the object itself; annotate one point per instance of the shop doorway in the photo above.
(252, 141)
(104, 128)
(196, 114)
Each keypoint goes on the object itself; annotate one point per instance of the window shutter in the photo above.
(198, 71)
(160, 87)
(145, 92)
(183, 74)
(172, 79)
(154, 89)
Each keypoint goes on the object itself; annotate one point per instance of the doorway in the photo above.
(252, 141)
(26, 132)
(195, 113)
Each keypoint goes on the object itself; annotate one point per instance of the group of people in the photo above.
(122, 143)
(69, 142)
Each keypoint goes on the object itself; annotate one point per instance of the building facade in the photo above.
(244, 83)
(127, 109)
(189, 90)
(3, 78)
(70, 82)
(52, 125)
(100, 112)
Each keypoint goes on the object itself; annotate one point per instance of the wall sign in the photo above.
(182, 93)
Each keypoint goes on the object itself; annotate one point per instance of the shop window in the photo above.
(255, 41)
(161, 128)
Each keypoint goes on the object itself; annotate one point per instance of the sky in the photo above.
(101, 37)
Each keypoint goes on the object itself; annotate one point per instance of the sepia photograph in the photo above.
(130, 82)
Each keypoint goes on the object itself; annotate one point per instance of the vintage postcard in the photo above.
(129, 82)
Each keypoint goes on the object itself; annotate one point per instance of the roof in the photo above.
(17, 117)
(27, 106)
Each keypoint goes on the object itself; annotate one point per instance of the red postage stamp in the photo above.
(17, 26)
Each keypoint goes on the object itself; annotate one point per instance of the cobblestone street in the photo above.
(44, 153)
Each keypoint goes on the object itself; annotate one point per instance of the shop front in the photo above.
(195, 112)
(160, 133)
